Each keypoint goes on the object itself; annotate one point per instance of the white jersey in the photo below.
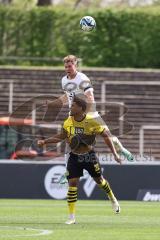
(79, 84)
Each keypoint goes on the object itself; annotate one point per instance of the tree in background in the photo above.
(5, 1)
(98, 3)
(79, 3)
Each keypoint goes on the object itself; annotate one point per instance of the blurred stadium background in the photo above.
(122, 59)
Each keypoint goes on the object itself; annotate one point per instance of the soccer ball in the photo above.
(87, 23)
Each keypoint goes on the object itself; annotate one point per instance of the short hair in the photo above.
(81, 101)
(70, 58)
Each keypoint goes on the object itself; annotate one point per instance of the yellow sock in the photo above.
(72, 198)
(106, 187)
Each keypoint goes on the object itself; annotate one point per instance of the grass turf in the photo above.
(25, 219)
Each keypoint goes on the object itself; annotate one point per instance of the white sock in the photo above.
(117, 144)
(72, 216)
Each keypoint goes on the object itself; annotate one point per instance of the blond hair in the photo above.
(70, 58)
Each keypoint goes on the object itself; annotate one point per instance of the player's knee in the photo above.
(98, 180)
(73, 182)
(114, 139)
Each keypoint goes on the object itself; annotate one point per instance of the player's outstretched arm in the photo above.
(56, 102)
(108, 140)
(55, 139)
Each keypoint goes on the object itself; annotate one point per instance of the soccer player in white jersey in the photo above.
(75, 82)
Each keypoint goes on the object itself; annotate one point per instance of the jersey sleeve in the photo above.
(66, 124)
(98, 129)
(98, 126)
(85, 84)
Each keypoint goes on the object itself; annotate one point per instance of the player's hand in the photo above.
(41, 143)
(117, 158)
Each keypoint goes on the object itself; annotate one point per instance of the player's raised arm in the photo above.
(108, 140)
(89, 94)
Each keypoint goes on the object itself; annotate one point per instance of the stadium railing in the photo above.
(141, 136)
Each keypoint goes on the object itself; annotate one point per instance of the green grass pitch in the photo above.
(44, 220)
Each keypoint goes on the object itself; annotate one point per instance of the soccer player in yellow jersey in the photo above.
(80, 130)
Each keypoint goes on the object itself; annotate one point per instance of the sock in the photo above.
(71, 199)
(127, 154)
(106, 187)
(122, 150)
(117, 144)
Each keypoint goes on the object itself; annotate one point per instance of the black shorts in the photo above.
(77, 163)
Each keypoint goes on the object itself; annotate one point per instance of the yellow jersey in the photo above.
(88, 126)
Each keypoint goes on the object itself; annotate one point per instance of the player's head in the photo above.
(70, 64)
(70, 59)
(79, 105)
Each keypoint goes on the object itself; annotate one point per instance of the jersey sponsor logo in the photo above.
(72, 87)
(79, 130)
